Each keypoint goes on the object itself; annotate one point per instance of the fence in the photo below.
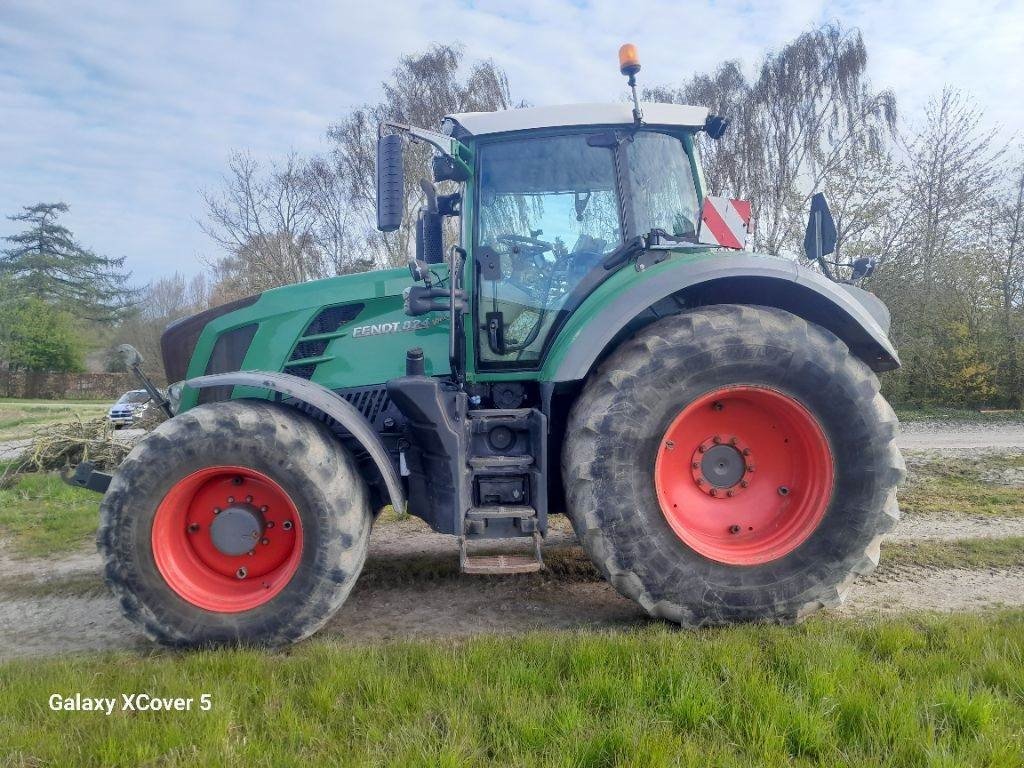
(40, 385)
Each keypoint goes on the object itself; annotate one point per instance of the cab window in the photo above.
(548, 214)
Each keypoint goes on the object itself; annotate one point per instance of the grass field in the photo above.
(909, 692)
(963, 486)
(937, 413)
(19, 417)
(41, 515)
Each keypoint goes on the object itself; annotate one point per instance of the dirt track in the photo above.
(410, 586)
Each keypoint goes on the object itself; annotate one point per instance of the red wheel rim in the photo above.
(744, 475)
(189, 543)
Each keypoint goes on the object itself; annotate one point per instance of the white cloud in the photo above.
(127, 110)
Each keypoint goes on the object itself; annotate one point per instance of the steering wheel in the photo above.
(532, 243)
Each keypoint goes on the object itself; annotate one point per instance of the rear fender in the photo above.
(857, 317)
(324, 400)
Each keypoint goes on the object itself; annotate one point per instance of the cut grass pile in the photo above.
(41, 515)
(19, 417)
(909, 692)
(984, 486)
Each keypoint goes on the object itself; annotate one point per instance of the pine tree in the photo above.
(45, 262)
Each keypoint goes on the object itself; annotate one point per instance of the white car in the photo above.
(128, 407)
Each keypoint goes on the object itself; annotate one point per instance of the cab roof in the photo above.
(565, 115)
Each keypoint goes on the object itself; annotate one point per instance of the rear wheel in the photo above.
(732, 463)
(239, 521)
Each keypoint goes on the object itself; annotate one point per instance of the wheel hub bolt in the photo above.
(248, 499)
(263, 508)
(746, 451)
(730, 493)
(717, 406)
(264, 541)
(696, 465)
(270, 524)
(713, 491)
(670, 445)
(744, 483)
(242, 572)
(716, 439)
(231, 499)
(287, 525)
(734, 529)
(216, 510)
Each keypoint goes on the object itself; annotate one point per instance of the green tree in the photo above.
(47, 263)
(37, 336)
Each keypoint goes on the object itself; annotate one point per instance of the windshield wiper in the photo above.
(659, 238)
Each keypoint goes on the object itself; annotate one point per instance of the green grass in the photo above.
(41, 515)
(1005, 552)
(938, 413)
(18, 418)
(942, 691)
(964, 486)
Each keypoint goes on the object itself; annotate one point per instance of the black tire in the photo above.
(616, 427)
(297, 453)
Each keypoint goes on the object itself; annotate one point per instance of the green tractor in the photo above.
(589, 344)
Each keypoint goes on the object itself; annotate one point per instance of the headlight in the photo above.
(174, 395)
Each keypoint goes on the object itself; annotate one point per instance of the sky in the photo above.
(127, 111)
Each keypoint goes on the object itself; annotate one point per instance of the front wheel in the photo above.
(730, 464)
(234, 522)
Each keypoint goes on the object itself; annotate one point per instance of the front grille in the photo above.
(369, 401)
(327, 321)
(227, 356)
(306, 349)
(302, 371)
(332, 318)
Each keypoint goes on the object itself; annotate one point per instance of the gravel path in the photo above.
(956, 436)
(410, 589)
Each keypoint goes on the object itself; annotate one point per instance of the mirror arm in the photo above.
(450, 147)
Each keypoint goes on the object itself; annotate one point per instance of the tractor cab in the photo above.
(554, 199)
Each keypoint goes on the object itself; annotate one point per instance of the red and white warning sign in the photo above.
(725, 222)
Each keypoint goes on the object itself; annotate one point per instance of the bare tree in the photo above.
(163, 301)
(265, 223)
(810, 111)
(423, 88)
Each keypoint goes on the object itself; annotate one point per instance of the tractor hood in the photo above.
(347, 331)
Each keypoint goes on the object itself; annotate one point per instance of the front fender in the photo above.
(857, 317)
(324, 400)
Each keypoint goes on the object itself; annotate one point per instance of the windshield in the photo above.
(136, 396)
(548, 214)
(661, 185)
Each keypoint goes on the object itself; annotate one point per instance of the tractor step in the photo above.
(500, 564)
(500, 512)
(499, 462)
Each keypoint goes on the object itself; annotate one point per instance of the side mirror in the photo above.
(390, 183)
(129, 355)
(429, 239)
(821, 235)
(445, 169)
